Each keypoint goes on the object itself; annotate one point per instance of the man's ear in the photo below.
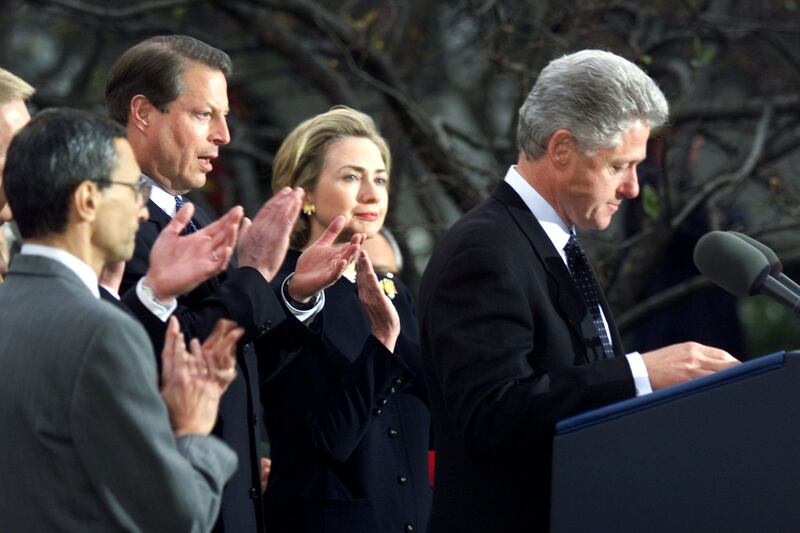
(141, 112)
(561, 148)
(85, 201)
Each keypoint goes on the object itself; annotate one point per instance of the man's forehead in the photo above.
(633, 145)
(207, 85)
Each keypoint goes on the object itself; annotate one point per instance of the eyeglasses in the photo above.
(141, 188)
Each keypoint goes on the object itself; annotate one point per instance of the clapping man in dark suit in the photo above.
(87, 439)
(171, 94)
(515, 331)
(188, 256)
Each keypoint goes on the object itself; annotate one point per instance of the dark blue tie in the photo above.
(190, 227)
(587, 285)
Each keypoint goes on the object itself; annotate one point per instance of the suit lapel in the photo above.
(562, 289)
(157, 216)
(201, 219)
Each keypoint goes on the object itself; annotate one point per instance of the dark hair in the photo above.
(57, 151)
(154, 68)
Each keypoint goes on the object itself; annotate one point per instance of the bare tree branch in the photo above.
(273, 35)
(121, 12)
(374, 68)
(726, 180)
(753, 108)
(628, 320)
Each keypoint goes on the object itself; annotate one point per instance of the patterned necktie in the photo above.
(587, 285)
(190, 227)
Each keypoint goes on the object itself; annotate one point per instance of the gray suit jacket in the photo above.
(85, 440)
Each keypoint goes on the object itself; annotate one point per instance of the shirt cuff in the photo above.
(306, 316)
(640, 377)
(159, 308)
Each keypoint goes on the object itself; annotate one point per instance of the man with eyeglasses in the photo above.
(89, 442)
(141, 188)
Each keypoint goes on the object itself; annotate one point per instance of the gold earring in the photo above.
(309, 208)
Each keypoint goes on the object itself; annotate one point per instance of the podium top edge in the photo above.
(747, 369)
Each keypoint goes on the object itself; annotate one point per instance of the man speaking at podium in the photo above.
(517, 334)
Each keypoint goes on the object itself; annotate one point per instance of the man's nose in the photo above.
(630, 187)
(220, 134)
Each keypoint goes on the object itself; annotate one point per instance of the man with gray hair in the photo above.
(516, 332)
(13, 116)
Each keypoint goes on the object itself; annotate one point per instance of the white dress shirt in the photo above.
(558, 233)
(81, 269)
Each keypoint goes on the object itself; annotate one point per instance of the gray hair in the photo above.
(595, 95)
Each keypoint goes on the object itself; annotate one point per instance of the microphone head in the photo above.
(731, 263)
(775, 266)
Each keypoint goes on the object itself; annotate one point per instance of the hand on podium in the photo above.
(681, 362)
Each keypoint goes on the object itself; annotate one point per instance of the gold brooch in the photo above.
(387, 284)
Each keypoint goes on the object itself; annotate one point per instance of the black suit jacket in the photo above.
(509, 349)
(240, 294)
(106, 296)
(349, 426)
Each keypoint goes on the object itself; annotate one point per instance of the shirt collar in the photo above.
(555, 228)
(164, 200)
(81, 269)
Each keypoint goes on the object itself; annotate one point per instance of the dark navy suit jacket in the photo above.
(349, 425)
(240, 294)
(509, 349)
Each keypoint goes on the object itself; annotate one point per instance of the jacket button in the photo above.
(409, 527)
(255, 420)
(382, 402)
(392, 432)
(399, 381)
(377, 411)
(253, 493)
(262, 329)
(402, 479)
(391, 390)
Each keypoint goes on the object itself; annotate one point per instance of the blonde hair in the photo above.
(302, 154)
(13, 88)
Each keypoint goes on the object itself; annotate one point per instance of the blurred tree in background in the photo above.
(444, 81)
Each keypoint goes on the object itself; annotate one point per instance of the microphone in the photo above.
(740, 268)
(775, 266)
